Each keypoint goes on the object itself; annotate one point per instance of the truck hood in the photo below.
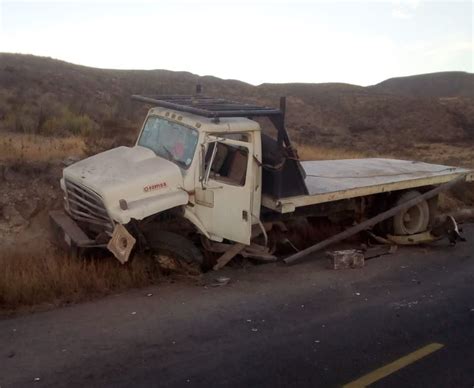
(148, 183)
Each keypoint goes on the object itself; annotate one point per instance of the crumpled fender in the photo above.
(145, 207)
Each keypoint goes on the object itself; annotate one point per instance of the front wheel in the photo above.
(413, 220)
(175, 245)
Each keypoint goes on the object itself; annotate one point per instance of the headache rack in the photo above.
(281, 180)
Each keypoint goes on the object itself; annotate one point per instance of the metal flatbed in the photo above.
(333, 180)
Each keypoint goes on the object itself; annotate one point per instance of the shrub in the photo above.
(69, 123)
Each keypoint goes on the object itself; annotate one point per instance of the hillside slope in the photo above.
(435, 85)
(43, 95)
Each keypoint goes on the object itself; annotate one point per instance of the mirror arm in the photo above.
(208, 172)
(201, 167)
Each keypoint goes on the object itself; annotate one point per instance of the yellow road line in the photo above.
(394, 366)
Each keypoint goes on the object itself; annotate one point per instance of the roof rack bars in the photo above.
(216, 108)
(208, 106)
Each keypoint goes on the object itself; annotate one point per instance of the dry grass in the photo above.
(312, 152)
(55, 279)
(35, 148)
(461, 155)
(449, 154)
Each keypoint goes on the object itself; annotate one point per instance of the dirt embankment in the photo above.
(33, 270)
(26, 192)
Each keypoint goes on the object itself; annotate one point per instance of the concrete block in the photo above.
(349, 258)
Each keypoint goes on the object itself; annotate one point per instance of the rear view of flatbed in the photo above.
(333, 180)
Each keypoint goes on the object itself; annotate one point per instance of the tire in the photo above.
(179, 247)
(413, 220)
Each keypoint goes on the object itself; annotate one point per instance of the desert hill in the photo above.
(435, 85)
(48, 96)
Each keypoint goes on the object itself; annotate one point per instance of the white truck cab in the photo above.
(180, 160)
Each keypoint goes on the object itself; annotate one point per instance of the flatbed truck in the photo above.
(202, 177)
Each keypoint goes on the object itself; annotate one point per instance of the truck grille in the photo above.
(86, 205)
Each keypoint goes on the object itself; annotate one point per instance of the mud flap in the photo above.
(121, 243)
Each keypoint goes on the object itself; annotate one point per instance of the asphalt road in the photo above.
(271, 326)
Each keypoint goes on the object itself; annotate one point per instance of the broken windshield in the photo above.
(169, 140)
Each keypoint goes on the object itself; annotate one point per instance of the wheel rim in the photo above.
(412, 219)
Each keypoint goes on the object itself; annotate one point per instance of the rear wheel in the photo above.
(413, 220)
(175, 246)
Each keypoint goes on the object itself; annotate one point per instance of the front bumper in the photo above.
(68, 232)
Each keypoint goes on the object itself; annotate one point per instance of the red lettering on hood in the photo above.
(154, 186)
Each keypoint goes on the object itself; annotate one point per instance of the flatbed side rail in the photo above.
(288, 205)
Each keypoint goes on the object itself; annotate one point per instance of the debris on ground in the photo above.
(220, 281)
(379, 239)
(173, 266)
(379, 250)
(413, 239)
(355, 258)
(399, 305)
(464, 215)
(228, 255)
(348, 258)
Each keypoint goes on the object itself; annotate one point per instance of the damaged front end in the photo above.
(106, 197)
(121, 244)
(85, 223)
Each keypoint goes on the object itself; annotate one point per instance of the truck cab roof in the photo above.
(200, 123)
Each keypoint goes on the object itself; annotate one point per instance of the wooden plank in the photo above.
(228, 256)
(373, 221)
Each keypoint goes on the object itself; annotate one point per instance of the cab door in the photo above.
(224, 193)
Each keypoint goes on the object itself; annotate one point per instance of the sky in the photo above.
(358, 42)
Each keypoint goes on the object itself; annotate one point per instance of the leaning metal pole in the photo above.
(373, 221)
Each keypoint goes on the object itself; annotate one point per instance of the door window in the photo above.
(228, 163)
